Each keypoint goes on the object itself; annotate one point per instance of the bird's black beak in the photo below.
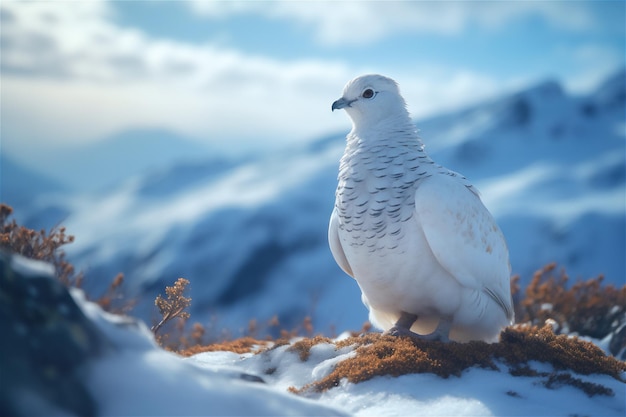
(341, 103)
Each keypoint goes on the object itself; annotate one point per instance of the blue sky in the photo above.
(253, 74)
(534, 37)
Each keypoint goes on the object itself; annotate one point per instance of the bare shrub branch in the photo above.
(174, 305)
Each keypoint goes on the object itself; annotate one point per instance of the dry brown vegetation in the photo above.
(379, 355)
(47, 247)
(171, 308)
(174, 305)
(587, 308)
(242, 345)
(41, 246)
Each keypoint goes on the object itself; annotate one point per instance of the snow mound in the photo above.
(531, 388)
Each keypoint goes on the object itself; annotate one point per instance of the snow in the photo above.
(138, 378)
(31, 268)
(475, 392)
(162, 384)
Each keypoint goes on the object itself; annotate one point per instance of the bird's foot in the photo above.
(401, 331)
(439, 335)
(435, 337)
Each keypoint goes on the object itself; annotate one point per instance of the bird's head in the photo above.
(370, 99)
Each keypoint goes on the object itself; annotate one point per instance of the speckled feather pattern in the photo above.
(378, 183)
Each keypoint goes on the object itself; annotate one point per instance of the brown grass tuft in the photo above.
(521, 344)
(588, 308)
(303, 347)
(175, 304)
(240, 346)
(41, 246)
(47, 247)
(379, 355)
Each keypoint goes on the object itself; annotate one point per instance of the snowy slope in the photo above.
(250, 234)
(143, 379)
(476, 392)
(125, 373)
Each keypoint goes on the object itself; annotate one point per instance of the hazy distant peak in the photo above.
(612, 92)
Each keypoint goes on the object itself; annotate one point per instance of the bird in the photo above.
(427, 255)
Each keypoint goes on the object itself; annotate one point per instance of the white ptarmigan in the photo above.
(428, 256)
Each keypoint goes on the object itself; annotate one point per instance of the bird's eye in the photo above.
(369, 93)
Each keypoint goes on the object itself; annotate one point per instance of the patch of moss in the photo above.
(521, 344)
(379, 355)
(556, 380)
(303, 346)
(240, 346)
(588, 308)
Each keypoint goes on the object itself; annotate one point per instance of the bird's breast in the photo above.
(376, 196)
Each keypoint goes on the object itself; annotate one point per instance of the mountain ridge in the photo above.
(94, 167)
(250, 234)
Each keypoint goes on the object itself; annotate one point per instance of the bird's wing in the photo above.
(335, 244)
(464, 237)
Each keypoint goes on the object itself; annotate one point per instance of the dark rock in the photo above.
(46, 342)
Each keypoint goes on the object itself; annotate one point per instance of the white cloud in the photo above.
(592, 63)
(70, 74)
(80, 77)
(432, 89)
(352, 22)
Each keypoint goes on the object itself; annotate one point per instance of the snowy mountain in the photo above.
(250, 234)
(23, 188)
(90, 167)
(20, 186)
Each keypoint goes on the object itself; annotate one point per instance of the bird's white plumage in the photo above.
(414, 235)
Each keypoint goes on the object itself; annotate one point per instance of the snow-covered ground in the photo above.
(141, 379)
